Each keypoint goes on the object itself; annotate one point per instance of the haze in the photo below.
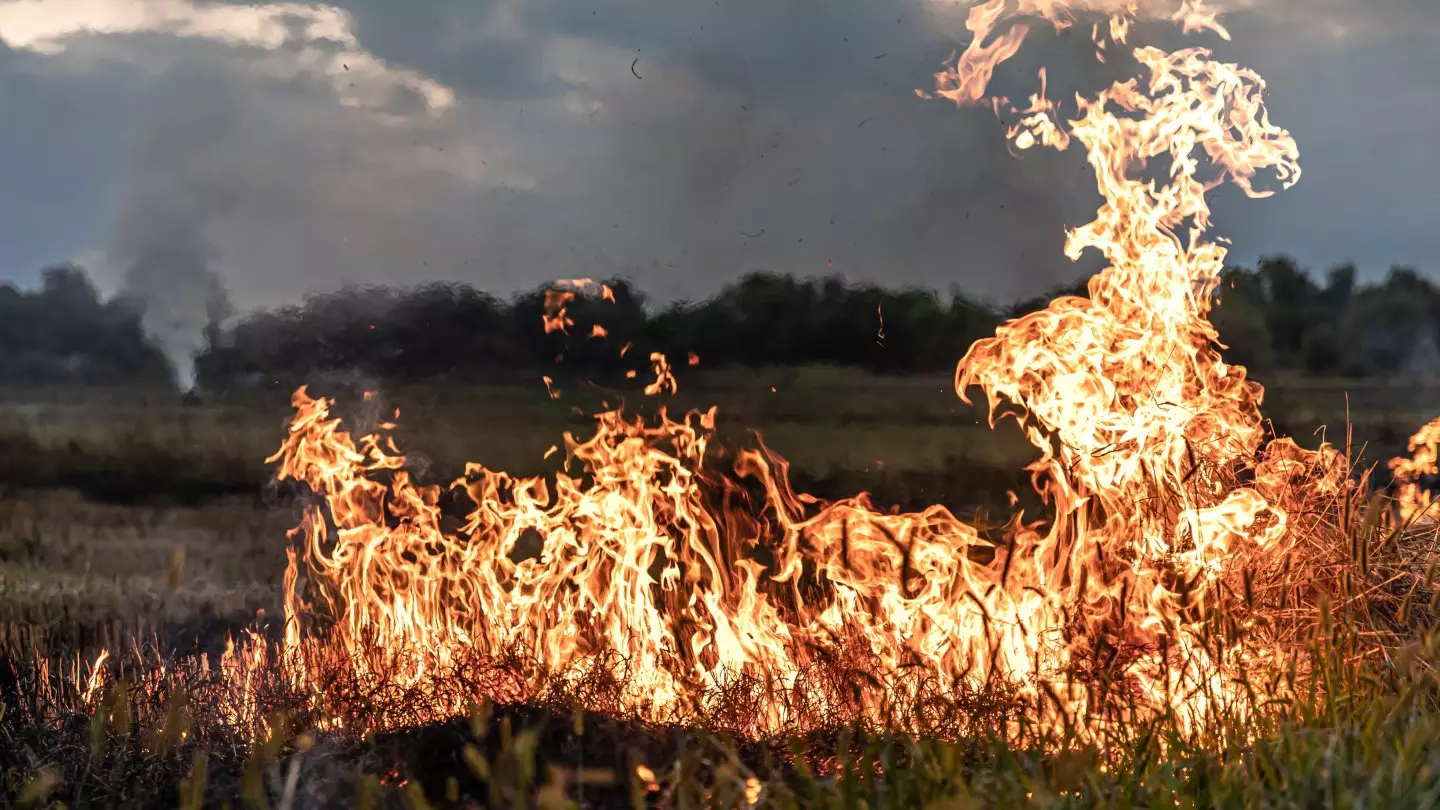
(294, 146)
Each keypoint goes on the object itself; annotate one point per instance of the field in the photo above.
(102, 492)
(130, 514)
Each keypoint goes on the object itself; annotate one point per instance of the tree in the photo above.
(1293, 306)
(1395, 319)
(1241, 317)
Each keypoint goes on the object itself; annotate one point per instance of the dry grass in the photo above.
(1358, 734)
(83, 575)
(850, 432)
(127, 509)
(179, 542)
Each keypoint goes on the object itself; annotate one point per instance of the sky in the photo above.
(294, 147)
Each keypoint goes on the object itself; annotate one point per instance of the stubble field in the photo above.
(131, 516)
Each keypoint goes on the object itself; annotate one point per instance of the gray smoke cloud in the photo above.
(682, 146)
(680, 151)
(160, 239)
(503, 143)
(170, 277)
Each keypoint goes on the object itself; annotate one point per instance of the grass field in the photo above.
(101, 490)
(126, 512)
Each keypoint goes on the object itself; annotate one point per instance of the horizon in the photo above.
(650, 303)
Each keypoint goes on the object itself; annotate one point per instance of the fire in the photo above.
(680, 583)
(96, 678)
(1413, 501)
(664, 377)
(557, 301)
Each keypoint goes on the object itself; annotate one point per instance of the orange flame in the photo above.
(557, 301)
(1415, 502)
(695, 581)
(664, 377)
(555, 318)
(97, 677)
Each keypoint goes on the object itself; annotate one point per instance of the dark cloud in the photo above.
(1359, 107)
(791, 117)
(800, 53)
(450, 41)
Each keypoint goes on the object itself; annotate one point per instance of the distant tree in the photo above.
(64, 333)
(1293, 306)
(1273, 316)
(1079, 287)
(1240, 316)
(1339, 290)
(1394, 319)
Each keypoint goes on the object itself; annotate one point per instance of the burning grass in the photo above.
(1199, 605)
(1361, 739)
(1353, 601)
(153, 726)
(1162, 580)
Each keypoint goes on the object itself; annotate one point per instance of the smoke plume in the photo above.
(160, 240)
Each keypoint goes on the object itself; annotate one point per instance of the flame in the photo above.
(97, 677)
(557, 301)
(664, 377)
(244, 669)
(753, 789)
(555, 319)
(681, 582)
(1413, 501)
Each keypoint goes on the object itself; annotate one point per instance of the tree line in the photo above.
(1272, 316)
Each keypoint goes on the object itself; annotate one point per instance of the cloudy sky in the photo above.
(298, 146)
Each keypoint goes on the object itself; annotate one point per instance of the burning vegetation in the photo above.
(680, 590)
(1189, 571)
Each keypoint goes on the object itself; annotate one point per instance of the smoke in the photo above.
(1423, 360)
(296, 147)
(181, 296)
(749, 135)
(760, 135)
(176, 193)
